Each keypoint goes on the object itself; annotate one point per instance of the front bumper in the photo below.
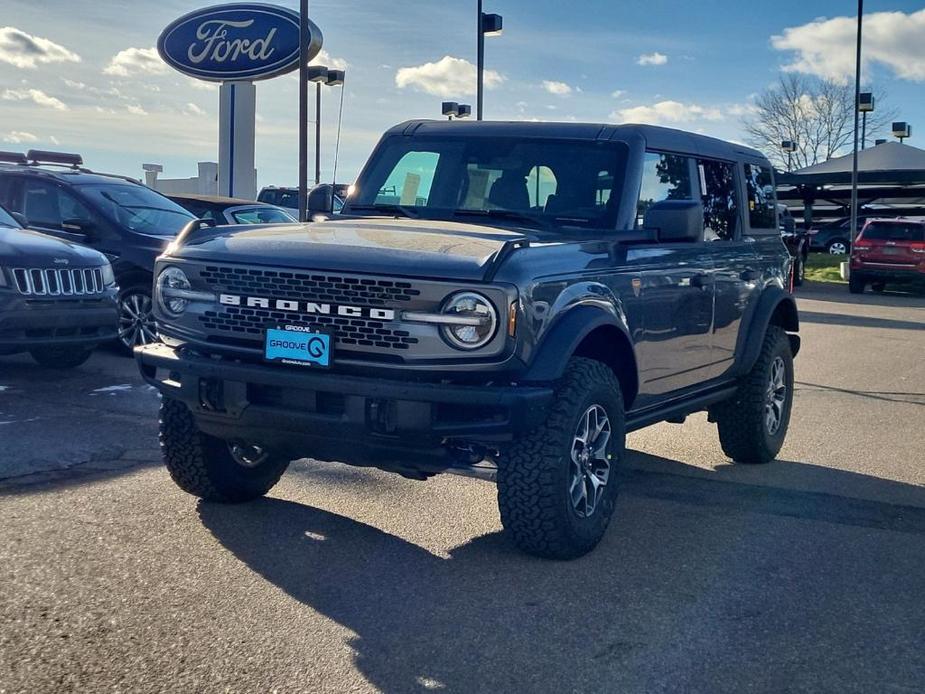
(26, 323)
(331, 416)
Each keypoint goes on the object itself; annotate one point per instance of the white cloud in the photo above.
(36, 96)
(202, 85)
(18, 137)
(135, 61)
(326, 59)
(73, 84)
(826, 47)
(617, 93)
(194, 110)
(652, 59)
(557, 88)
(666, 112)
(25, 50)
(447, 77)
(136, 110)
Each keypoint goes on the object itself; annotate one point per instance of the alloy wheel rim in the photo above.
(136, 320)
(247, 455)
(776, 396)
(838, 248)
(590, 461)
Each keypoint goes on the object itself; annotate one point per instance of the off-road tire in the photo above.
(856, 284)
(743, 433)
(533, 472)
(799, 270)
(60, 357)
(203, 466)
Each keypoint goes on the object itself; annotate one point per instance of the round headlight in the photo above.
(477, 324)
(170, 280)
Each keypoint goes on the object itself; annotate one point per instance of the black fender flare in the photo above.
(774, 301)
(566, 335)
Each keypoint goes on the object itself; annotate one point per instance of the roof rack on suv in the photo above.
(13, 158)
(39, 156)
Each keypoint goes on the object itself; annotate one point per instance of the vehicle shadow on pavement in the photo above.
(698, 587)
(859, 321)
(838, 293)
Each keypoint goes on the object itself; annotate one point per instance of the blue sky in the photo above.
(90, 84)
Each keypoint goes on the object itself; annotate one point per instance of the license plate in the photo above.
(889, 250)
(302, 347)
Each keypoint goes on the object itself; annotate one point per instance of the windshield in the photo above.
(6, 219)
(261, 215)
(549, 182)
(139, 208)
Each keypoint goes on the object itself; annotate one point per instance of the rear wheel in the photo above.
(557, 485)
(878, 287)
(799, 270)
(856, 284)
(136, 318)
(838, 247)
(210, 468)
(753, 424)
(61, 357)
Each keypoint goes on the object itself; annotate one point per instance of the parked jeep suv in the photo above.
(129, 223)
(502, 299)
(57, 299)
(888, 250)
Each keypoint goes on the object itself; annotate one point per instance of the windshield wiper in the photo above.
(511, 215)
(387, 209)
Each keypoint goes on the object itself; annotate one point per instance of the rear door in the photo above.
(891, 245)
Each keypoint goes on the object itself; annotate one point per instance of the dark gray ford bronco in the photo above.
(502, 299)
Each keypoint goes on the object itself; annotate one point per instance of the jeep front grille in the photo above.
(59, 282)
(308, 286)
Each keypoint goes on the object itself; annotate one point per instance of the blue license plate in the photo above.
(301, 347)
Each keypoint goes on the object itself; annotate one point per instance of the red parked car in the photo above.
(887, 250)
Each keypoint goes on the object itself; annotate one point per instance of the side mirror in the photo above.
(321, 199)
(676, 220)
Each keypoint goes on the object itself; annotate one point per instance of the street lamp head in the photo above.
(335, 78)
(450, 108)
(492, 24)
(464, 111)
(317, 73)
(902, 130)
(865, 102)
(789, 146)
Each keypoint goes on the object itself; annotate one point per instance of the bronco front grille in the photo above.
(349, 332)
(59, 282)
(308, 286)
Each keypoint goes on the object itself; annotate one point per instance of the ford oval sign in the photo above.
(246, 41)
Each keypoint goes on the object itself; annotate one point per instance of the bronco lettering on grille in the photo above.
(312, 307)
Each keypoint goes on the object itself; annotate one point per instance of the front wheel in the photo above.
(856, 284)
(136, 318)
(210, 468)
(753, 423)
(557, 485)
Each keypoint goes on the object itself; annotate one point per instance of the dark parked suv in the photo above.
(501, 299)
(129, 223)
(57, 299)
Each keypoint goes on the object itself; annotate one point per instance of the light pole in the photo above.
(319, 75)
(902, 130)
(304, 40)
(865, 106)
(789, 146)
(488, 25)
(452, 109)
(857, 101)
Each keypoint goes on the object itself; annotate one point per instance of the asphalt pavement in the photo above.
(805, 575)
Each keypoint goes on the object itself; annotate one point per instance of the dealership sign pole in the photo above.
(236, 45)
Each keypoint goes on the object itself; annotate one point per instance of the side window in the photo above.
(410, 180)
(11, 193)
(664, 177)
(760, 188)
(42, 204)
(720, 205)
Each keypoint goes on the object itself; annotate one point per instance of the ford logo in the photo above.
(246, 41)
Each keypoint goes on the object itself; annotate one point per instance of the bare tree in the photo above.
(815, 113)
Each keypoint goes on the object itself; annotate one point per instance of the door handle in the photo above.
(703, 280)
(749, 275)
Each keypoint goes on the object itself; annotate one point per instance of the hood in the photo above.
(27, 248)
(404, 247)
